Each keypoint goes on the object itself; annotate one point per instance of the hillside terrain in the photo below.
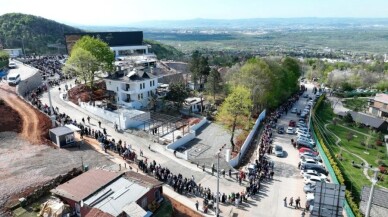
(44, 36)
(39, 35)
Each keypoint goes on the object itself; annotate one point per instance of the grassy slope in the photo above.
(356, 175)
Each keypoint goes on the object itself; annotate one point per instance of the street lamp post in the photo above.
(51, 105)
(374, 181)
(218, 180)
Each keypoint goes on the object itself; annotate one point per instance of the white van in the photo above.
(13, 79)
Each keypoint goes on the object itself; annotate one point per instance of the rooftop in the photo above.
(115, 196)
(85, 184)
(130, 76)
(379, 202)
(364, 119)
(61, 130)
(381, 97)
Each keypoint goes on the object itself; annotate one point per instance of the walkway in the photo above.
(365, 171)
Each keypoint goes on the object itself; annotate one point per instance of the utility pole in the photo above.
(218, 180)
(311, 110)
(374, 181)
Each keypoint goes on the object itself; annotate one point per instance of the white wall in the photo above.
(199, 125)
(234, 162)
(121, 119)
(179, 142)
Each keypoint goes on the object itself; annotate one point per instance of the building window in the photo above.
(69, 138)
(148, 93)
(143, 85)
(117, 89)
(138, 97)
(150, 83)
(141, 96)
(153, 83)
(144, 203)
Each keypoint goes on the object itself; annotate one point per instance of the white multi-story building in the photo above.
(132, 88)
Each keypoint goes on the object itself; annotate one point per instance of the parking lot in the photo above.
(288, 181)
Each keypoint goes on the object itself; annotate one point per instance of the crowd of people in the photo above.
(264, 167)
(50, 67)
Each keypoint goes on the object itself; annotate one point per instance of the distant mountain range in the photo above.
(258, 23)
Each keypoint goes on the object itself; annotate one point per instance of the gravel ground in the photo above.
(24, 166)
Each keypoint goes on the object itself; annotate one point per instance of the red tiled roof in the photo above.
(85, 184)
(382, 97)
(94, 212)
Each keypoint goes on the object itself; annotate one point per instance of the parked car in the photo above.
(294, 110)
(316, 167)
(12, 65)
(292, 123)
(306, 155)
(313, 180)
(309, 188)
(290, 130)
(13, 79)
(309, 173)
(279, 151)
(306, 95)
(281, 129)
(309, 150)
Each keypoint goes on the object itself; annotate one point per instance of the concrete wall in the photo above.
(121, 119)
(199, 125)
(179, 142)
(244, 148)
(29, 84)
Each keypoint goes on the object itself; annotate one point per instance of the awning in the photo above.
(73, 127)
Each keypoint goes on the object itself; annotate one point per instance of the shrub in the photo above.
(1, 102)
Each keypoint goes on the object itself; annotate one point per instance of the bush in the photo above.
(1, 102)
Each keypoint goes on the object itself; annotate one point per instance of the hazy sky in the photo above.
(118, 12)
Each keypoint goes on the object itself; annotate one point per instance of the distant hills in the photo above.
(39, 35)
(263, 23)
(44, 36)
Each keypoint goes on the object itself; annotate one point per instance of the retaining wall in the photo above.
(235, 161)
(29, 84)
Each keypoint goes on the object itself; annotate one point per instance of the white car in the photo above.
(12, 65)
(312, 173)
(293, 110)
(308, 161)
(312, 180)
(303, 134)
(290, 130)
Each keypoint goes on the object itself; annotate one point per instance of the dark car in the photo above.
(292, 123)
(280, 129)
(316, 167)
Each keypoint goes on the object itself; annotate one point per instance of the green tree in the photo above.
(4, 59)
(177, 94)
(236, 105)
(88, 56)
(99, 49)
(213, 84)
(199, 67)
(83, 64)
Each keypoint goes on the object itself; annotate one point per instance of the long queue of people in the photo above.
(264, 169)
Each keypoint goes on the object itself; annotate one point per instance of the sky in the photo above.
(121, 12)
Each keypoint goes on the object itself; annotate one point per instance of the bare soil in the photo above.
(9, 119)
(35, 125)
(83, 93)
